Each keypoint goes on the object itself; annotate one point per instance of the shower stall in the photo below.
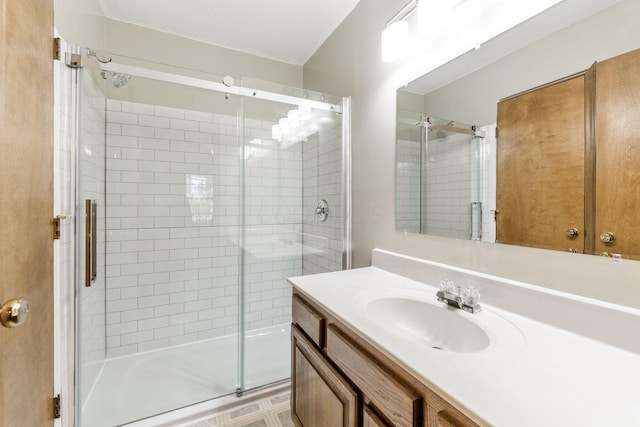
(196, 197)
(443, 177)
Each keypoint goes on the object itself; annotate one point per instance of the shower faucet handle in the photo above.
(322, 210)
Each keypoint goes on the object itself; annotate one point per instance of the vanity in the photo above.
(375, 347)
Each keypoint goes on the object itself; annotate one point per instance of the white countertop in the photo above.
(543, 375)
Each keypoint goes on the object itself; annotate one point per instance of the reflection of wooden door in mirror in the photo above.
(540, 167)
(618, 154)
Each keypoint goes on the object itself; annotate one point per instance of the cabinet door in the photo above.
(441, 414)
(370, 419)
(393, 399)
(618, 154)
(320, 396)
(540, 167)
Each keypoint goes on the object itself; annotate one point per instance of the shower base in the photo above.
(142, 385)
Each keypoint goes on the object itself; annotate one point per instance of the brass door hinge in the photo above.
(56, 48)
(57, 401)
(56, 226)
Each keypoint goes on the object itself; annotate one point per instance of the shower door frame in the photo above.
(79, 61)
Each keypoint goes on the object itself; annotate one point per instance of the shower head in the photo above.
(441, 133)
(118, 80)
(100, 55)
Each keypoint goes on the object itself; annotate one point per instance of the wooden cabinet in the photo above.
(441, 414)
(370, 419)
(340, 380)
(568, 158)
(540, 167)
(617, 152)
(320, 396)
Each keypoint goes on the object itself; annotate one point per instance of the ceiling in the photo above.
(285, 30)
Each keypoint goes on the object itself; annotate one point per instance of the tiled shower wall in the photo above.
(175, 220)
(489, 183)
(448, 186)
(322, 154)
(449, 216)
(408, 186)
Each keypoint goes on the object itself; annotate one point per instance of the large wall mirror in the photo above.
(566, 74)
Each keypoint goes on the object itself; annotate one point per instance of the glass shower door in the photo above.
(207, 197)
(292, 164)
(159, 325)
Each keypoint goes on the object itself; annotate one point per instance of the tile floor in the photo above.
(273, 411)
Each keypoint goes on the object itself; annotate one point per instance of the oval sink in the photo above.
(419, 320)
(435, 324)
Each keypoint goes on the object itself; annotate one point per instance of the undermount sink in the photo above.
(422, 320)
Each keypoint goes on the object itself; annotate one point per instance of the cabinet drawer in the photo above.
(309, 320)
(397, 402)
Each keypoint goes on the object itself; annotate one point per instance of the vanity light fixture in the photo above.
(433, 15)
(394, 39)
(295, 126)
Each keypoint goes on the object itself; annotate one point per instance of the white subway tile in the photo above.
(154, 121)
(198, 116)
(122, 328)
(114, 105)
(123, 118)
(169, 134)
(174, 113)
(154, 144)
(152, 278)
(170, 331)
(137, 108)
(188, 125)
(182, 146)
(136, 337)
(169, 156)
(153, 301)
(138, 131)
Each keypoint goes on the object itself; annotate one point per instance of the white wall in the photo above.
(349, 64)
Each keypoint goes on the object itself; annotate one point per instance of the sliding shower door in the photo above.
(160, 322)
(292, 219)
(196, 200)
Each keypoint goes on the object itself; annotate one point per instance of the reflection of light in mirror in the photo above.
(473, 23)
(199, 194)
(299, 124)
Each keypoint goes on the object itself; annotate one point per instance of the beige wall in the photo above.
(133, 43)
(349, 64)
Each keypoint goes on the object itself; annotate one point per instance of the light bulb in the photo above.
(395, 41)
(293, 115)
(275, 132)
(283, 124)
(304, 112)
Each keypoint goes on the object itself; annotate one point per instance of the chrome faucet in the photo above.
(466, 300)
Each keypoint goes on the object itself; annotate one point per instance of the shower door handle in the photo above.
(91, 242)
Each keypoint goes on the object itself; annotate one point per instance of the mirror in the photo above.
(445, 167)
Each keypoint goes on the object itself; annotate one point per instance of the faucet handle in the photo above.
(447, 286)
(471, 296)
